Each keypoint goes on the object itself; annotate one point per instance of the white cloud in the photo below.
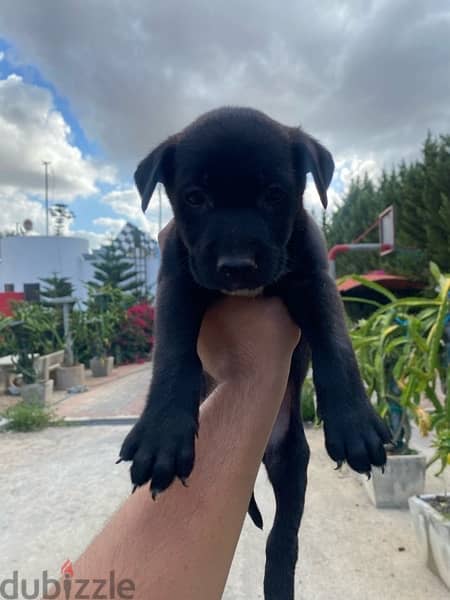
(364, 76)
(2, 56)
(351, 169)
(15, 207)
(32, 130)
(346, 171)
(127, 203)
(113, 226)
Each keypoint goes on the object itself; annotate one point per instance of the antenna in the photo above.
(46, 163)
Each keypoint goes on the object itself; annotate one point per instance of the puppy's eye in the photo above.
(196, 198)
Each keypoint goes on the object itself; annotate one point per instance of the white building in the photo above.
(26, 259)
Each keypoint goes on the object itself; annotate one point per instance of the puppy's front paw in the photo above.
(162, 447)
(356, 434)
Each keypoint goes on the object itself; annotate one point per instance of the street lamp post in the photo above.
(46, 163)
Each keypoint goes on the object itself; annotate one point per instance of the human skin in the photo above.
(182, 545)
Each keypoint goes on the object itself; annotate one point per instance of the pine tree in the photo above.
(435, 199)
(56, 287)
(113, 268)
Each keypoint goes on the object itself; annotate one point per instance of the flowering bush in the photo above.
(134, 340)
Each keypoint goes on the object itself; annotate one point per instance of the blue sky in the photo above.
(32, 75)
(85, 209)
(94, 217)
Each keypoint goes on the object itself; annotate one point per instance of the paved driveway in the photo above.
(59, 486)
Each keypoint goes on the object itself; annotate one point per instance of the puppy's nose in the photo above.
(236, 266)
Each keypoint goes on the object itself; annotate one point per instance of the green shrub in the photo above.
(29, 417)
(400, 350)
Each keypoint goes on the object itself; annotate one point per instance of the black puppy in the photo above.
(235, 179)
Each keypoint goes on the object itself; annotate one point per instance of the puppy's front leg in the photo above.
(162, 443)
(353, 430)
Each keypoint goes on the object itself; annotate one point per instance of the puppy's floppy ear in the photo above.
(311, 157)
(157, 167)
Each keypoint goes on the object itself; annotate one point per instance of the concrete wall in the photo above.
(28, 259)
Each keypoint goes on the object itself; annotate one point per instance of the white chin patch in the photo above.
(245, 293)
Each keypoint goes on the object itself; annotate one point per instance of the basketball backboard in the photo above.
(387, 231)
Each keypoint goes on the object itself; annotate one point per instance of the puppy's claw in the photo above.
(339, 465)
(119, 460)
(382, 469)
(183, 481)
(369, 475)
(155, 493)
(135, 487)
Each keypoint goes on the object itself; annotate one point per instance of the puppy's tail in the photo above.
(254, 513)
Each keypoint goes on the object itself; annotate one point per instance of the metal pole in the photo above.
(46, 163)
(160, 209)
(332, 268)
(342, 248)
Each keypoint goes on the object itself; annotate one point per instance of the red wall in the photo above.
(5, 300)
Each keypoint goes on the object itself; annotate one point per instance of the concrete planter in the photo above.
(404, 476)
(101, 367)
(433, 534)
(39, 393)
(68, 377)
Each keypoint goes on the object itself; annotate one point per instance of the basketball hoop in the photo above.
(385, 245)
(386, 231)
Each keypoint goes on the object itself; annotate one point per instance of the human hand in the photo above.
(242, 337)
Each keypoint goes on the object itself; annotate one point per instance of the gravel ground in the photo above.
(59, 486)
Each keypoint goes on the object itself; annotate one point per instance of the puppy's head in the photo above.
(235, 179)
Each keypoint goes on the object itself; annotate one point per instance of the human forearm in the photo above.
(182, 545)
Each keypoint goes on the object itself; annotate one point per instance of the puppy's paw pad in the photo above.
(162, 447)
(357, 438)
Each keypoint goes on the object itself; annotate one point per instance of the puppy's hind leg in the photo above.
(286, 461)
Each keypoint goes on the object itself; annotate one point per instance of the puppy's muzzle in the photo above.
(237, 268)
(237, 272)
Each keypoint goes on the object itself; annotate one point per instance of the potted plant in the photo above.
(398, 352)
(431, 518)
(431, 512)
(71, 373)
(101, 364)
(105, 313)
(33, 389)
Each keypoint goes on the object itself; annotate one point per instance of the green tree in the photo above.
(420, 194)
(436, 195)
(112, 267)
(358, 211)
(56, 287)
